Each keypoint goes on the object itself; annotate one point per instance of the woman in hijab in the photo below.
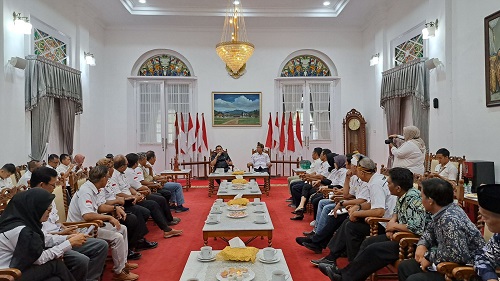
(22, 242)
(411, 154)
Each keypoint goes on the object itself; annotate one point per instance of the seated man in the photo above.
(86, 206)
(445, 169)
(32, 165)
(449, 237)
(352, 232)
(53, 161)
(379, 251)
(172, 191)
(64, 169)
(5, 172)
(487, 258)
(260, 160)
(296, 187)
(220, 160)
(315, 165)
(85, 262)
(78, 162)
(128, 186)
(329, 220)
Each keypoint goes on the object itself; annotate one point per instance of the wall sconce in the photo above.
(432, 63)
(89, 58)
(18, 62)
(375, 59)
(22, 24)
(430, 29)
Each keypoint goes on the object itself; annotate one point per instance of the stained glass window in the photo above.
(49, 47)
(305, 65)
(164, 65)
(409, 50)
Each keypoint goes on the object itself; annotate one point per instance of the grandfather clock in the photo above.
(354, 132)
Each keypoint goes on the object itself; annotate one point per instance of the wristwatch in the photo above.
(114, 208)
(341, 203)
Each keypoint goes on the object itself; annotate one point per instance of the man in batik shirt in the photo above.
(488, 258)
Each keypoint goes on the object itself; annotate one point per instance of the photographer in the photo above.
(411, 153)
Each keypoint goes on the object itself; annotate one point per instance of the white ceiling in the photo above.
(258, 13)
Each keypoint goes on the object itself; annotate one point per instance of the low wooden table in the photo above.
(226, 191)
(298, 171)
(186, 173)
(242, 227)
(228, 176)
(207, 271)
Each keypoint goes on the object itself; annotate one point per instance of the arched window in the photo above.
(306, 85)
(305, 65)
(164, 65)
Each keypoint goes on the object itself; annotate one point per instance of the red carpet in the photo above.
(167, 261)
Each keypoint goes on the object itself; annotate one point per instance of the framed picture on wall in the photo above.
(236, 109)
(492, 59)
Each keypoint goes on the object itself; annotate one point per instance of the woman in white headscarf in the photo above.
(410, 154)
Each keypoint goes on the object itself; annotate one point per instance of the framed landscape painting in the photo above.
(492, 59)
(237, 109)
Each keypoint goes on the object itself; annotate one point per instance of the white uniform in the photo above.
(359, 189)
(23, 181)
(449, 171)
(409, 156)
(380, 196)
(6, 183)
(337, 176)
(260, 160)
(119, 183)
(62, 169)
(85, 201)
(132, 178)
(315, 165)
(323, 169)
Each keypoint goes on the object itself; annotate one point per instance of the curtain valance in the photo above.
(46, 78)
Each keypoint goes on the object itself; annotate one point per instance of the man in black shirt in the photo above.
(220, 159)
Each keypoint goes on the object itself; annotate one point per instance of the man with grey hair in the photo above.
(32, 165)
(353, 231)
(88, 206)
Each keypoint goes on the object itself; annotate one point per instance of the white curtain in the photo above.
(320, 109)
(149, 112)
(292, 97)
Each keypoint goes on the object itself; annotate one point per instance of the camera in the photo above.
(389, 140)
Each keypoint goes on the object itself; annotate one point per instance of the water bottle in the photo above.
(330, 195)
(468, 188)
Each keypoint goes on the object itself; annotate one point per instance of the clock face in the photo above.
(354, 124)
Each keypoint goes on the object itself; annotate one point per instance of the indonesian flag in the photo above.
(282, 134)
(191, 139)
(291, 137)
(176, 134)
(204, 133)
(298, 132)
(276, 133)
(269, 138)
(197, 134)
(182, 136)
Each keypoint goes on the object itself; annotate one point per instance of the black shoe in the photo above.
(292, 205)
(177, 220)
(323, 260)
(145, 245)
(313, 247)
(310, 233)
(181, 209)
(289, 199)
(170, 223)
(133, 255)
(331, 271)
(301, 240)
(297, 218)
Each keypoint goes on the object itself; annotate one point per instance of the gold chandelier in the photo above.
(234, 48)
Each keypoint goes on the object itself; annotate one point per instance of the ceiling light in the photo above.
(326, 3)
(22, 24)
(429, 30)
(142, 1)
(234, 48)
(236, 2)
(89, 58)
(375, 59)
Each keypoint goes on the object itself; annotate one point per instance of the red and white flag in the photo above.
(182, 136)
(176, 134)
(282, 134)
(276, 133)
(204, 133)
(191, 139)
(197, 134)
(298, 134)
(269, 138)
(290, 146)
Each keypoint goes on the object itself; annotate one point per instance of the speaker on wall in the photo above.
(435, 103)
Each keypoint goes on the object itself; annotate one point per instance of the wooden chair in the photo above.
(9, 274)
(268, 152)
(407, 245)
(431, 162)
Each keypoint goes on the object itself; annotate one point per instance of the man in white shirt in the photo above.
(64, 169)
(88, 206)
(315, 164)
(53, 161)
(353, 231)
(260, 160)
(85, 262)
(32, 165)
(5, 172)
(445, 169)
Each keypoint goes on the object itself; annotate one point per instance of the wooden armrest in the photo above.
(403, 234)
(447, 268)
(374, 220)
(463, 272)
(98, 223)
(13, 272)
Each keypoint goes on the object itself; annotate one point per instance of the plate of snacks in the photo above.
(236, 208)
(241, 172)
(237, 214)
(235, 273)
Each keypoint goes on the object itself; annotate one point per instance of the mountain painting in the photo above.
(236, 109)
